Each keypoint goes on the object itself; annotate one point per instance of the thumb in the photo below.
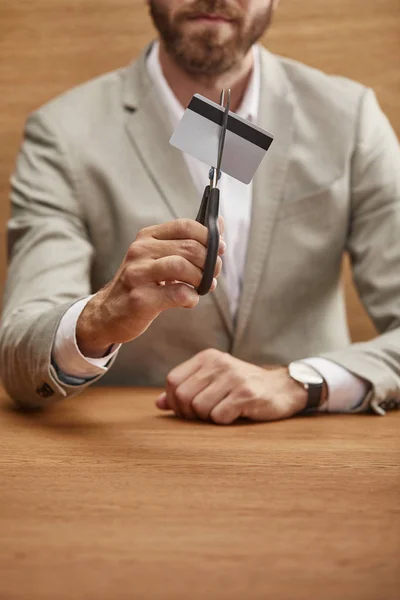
(179, 294)
(161, 402)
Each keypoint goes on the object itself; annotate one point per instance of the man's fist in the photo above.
(161, 270)
(216, 386)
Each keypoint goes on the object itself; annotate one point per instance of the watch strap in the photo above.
(314, 396)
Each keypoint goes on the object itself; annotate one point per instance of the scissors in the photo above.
(208, 212)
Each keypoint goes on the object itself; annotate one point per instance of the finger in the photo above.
(191, 250)
(176, 294)
(184, 372)
(218, 267)
(177, 376)
(171, 400)
(176, 268)
(205, 401)
(180, 229)
(188, 390)
(227, 411)
(184, 405)
(221, 224)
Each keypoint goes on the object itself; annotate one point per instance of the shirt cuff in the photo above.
(66, 354)
(345, 390)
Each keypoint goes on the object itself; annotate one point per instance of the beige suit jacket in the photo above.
(96, 166)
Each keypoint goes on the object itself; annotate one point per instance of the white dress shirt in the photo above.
(345, 390)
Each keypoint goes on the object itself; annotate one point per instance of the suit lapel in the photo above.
(149, 130)
(275, 115)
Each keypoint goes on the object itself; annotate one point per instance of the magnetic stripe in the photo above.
(245, 131)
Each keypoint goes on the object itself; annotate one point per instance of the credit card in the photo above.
(198, 134)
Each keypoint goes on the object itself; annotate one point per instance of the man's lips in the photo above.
(210, 17)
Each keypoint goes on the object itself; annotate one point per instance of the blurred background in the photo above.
(48, 46)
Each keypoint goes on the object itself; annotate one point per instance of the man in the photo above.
(104, 251)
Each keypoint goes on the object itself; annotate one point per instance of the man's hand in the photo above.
(216, 386)
(161, 270)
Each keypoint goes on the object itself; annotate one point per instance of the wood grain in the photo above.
(47, 46)
(103, 498)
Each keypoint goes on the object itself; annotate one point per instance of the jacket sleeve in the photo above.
(50, 258)
(374, 250)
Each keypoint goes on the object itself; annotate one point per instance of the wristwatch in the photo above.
(311, 381)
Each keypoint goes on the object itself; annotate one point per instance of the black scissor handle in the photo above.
(208, 216)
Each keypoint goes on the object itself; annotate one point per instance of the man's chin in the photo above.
(204, 64)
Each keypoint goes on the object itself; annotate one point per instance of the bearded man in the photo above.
(105, 256)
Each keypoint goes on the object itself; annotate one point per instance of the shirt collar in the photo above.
(248, 108)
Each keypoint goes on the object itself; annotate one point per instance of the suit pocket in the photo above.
(327, 199)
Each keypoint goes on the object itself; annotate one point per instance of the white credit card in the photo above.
(198, 134)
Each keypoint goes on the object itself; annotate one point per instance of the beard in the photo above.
(205, 52)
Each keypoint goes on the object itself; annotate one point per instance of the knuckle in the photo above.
(174, 264)
(184, 227)
(134, 251)
(244, 393)
(214, 356)
(225, 360)
(188, 246)
(192, 248)
(144, 232)
(136, 298)
(127, 275)
(208, 353)
(199, 409)
(182, 396)
(161, 268)
(183, 270)
(221, 358)
(237, 380)
(179, 262)
(196, 404)
(172, 380)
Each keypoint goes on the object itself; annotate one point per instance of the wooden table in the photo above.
(102, 497)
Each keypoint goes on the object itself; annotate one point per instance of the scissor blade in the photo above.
(223, 129)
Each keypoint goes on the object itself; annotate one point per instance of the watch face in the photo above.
(304, 373)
